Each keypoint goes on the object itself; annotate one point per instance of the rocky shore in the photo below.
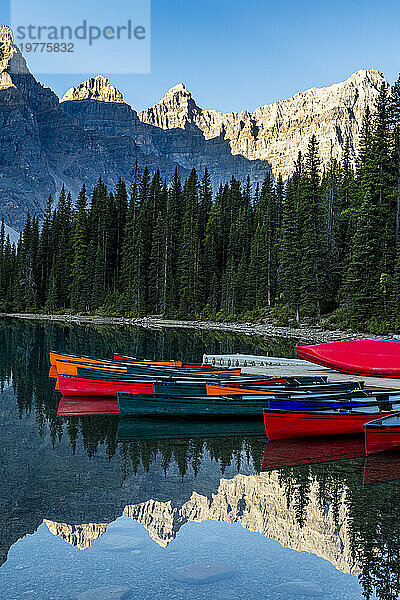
(303, 333)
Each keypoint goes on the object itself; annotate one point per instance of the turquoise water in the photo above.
(86, 516)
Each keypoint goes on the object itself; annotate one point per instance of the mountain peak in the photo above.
(175, 109)
(11, 59)
(179, 89)
(371, 74)
(96, 88)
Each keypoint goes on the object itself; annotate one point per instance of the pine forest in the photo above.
(323, 244)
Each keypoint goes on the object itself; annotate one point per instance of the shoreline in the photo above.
(303, 333)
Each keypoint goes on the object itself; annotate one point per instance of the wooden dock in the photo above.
(292, 367)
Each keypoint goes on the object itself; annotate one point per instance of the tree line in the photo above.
(325, 240)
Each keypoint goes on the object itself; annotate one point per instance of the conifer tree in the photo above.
(189, 257)
(213, 257)
(78, 285)
(3, 284)
(45, 253)
(173, 234)
(129, 241)
(144, 226)
(311, 223)
(290, 242)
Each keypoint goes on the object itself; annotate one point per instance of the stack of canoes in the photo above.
(292, 407)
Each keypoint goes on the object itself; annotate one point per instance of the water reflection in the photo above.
(84, 480)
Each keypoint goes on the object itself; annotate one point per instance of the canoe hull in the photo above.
(286, 425)
(381, 439)
(129, 405)
(83, 387)
(359, 357)
(54, 356)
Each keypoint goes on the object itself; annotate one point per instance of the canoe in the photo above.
(147, 406)
(285, 402)
(179, 365)
(234, 388)
(326, 402)
(199, 388)
(281, 424)
(145, 376)
(85, 386)
(171, 363)
(103, 383)
(360, 357)
(66, 367)
(54, 356)
(84, 406)
(131, 429)
(382, 434)
(132, 359)
(179, 405)
(299, 451)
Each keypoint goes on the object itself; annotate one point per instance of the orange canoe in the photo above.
(225, 390)
(66, 367)
(54, 356)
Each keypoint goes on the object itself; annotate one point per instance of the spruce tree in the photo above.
(290, 242)
(78, 285)
(312, 227)
(189, 256)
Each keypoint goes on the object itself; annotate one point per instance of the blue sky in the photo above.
(235, 55)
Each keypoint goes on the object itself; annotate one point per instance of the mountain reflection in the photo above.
(79, 474)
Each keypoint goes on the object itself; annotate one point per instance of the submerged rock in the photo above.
(205, 572)
(107, 592)
(119, 543)
(298, 587)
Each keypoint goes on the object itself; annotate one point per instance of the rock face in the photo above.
(93, 133)
(185, 146)
(95, 88)
(276, 132)
(42, 147)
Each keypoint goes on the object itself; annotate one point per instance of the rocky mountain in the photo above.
(93, 133)
(95, 88)
(276, 132)
(91, 105)
(42, 147)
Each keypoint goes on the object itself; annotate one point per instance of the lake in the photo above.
(98, 508)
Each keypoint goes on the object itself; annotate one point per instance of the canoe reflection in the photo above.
(303, 451)
(379, 468)
(76, 406)
(144, 429)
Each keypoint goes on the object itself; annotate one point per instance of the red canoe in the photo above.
(358, 357)
(382, 434)
(83, 386)
(280, 425)
(85, 406)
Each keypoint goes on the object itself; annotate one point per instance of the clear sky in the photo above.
(241, 54)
